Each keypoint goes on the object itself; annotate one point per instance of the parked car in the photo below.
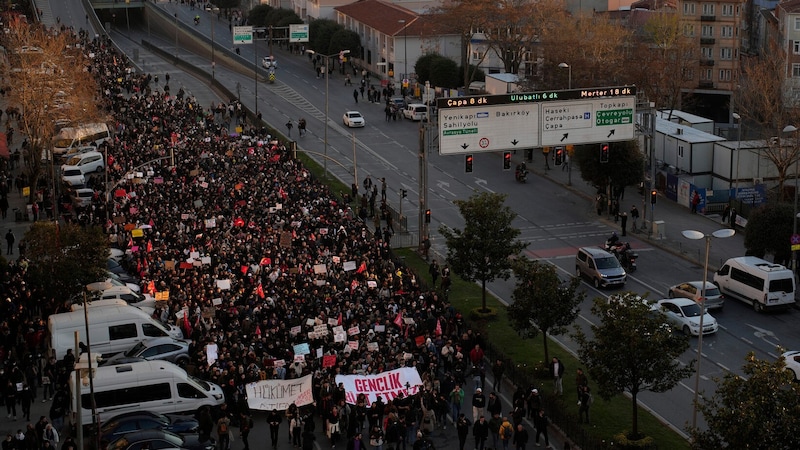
(88, 162)
(793, 363)
(113, 266)
(73, 176)
(160, 440)
(684, 314)
(600, 266)
(353, 119)
(116, 280)
(74, 151)
(146, 420)
(164, 348)
(82, 197)
(694, 291)
(416, 111)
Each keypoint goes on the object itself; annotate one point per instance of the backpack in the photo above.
(507, 432)
(222, 427)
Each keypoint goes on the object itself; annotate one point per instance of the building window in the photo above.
(688, 9)
(725, 75)
(708, 9)
(795, 70)
(725, 53)
(680, 151)
(707, 52)
(707, 31)
(727, 9)
(688, 30)
(797, 23)
(727, 31)
(688, 74)
(796, 47)
(706, 74)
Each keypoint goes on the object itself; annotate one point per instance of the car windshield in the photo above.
(202, 383)
(606, 263)
(136, 349)
(712, 292)
(72, 172)
(781, 285)
(692, 310)
(354, 115)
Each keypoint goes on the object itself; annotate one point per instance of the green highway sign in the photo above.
(242, 35)
(298, 32)
(614, 117)
(460, 132)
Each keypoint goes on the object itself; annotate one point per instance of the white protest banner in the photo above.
(386, 384)
(321, 330)
(267, 395)
(352, 331)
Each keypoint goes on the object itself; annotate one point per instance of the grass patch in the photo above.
(609, 418)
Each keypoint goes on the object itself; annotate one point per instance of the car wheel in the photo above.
(757, 307)
(99, 169)
(597, 283)
(795, 375)
(578, 272)
(181, 362)
(687, 331)
(671, 294)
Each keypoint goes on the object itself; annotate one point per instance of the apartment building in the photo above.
(782, 33)
(716, 26)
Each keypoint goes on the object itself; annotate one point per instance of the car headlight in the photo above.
(217, 396)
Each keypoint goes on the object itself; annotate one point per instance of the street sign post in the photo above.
(298, 32)
(490, 123)
(242, 35)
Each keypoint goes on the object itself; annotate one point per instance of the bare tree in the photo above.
(464, 18)
(50, 83)
(767, 106)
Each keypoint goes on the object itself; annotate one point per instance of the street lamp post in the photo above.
(792, 129)
(327, 96)
(564, 65)
(695, 235)
(405, 48)
(738, 120)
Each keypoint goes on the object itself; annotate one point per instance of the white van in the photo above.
(416, 111)
(112, 329)
(88, 134)
(763, 284)
(157, 386)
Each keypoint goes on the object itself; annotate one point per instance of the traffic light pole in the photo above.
(423, 188)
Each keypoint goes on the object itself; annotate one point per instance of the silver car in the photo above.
(694, 290)
(163, 348)
(601, 267)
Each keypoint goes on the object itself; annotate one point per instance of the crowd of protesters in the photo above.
(249, 247)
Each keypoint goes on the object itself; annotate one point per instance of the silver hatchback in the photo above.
(694, 290)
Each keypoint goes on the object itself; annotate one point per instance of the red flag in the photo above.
(258, 327)
(186, 325)
(238, 222)
(438, 330)
(265, 261)
(339, 320)
(362, 267)
(353, 286)
(419, 340)
(398, 320)
(244, 269)
(151, 287)
(260, 291)
(328, 360)
(149, 246)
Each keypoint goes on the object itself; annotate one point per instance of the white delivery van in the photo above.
(416, 111)
(763, 284)
(157, 386)
(112, 329)
(92, 134)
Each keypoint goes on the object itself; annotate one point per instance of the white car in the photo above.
(269, 62)
(684, 314)
(73, 176)
(82, 197)
(88, 162)
(793, 363)
(694, 291)
(353, 119)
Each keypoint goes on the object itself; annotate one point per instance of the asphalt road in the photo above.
(553, 219)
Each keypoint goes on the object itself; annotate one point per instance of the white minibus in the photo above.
(157, 386)
(761, 283)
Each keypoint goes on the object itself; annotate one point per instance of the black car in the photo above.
(144, 420)
(159, 439)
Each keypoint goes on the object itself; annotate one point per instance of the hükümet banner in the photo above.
(267, 395)
(388, 385)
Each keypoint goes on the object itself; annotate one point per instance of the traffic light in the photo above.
(427, 216)
(468, 164)
(653, 196)
(403, 193)
(507, 161)
(559, 155)
(604, 153)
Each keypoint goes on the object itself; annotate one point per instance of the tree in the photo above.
(625, 166)
(49, 83)
(632, 350)
(767, 104)
(768, 230)
(756, 411)
(444, 73)
(482, 250)
(542, 302)
(462, 17)
(65, 258)
(321, 31)
(346, 40)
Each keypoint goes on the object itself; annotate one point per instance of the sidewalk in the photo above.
(675, 217)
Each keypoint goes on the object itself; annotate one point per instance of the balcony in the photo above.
(708, 18)
(706, 84)
(707, 41)
(706, 62)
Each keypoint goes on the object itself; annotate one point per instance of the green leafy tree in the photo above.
(320, 33)
(346, 40)
(258, 15)
(759, 410)
(542, 302)
(625, 166)
(482, 251)
(281, 17)
(65, 258)
(226, 5)
(444, 73)
(632, 350)
(423, 66)
(768, 230)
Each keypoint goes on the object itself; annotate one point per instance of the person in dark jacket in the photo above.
(521, 437)
(274, 420)
(462, 427)
(540, 421)
(480, 431)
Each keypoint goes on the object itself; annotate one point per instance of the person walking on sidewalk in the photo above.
(540, 421)
(4, 206)
(10, 238)
(623, 221)
(634, 218)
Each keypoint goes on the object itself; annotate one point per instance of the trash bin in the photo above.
(659, 229)
(17, 214)
(29, 212)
